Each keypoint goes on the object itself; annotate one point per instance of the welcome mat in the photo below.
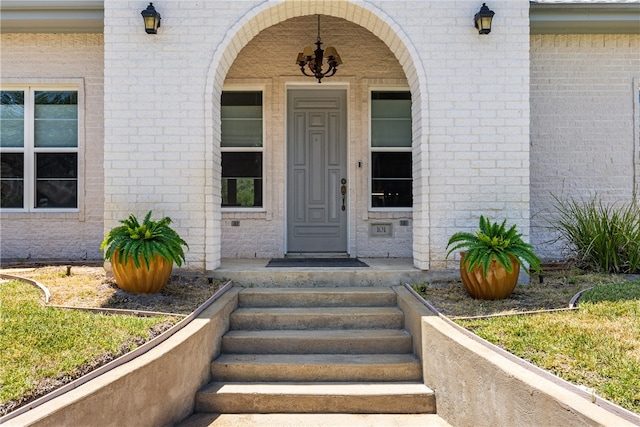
(316, 262)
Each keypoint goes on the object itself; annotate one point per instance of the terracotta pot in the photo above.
(497, 285)
(140, 280)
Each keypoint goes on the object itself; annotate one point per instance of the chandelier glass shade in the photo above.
(311, 61)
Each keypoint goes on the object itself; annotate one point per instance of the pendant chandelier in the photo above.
(310, 61)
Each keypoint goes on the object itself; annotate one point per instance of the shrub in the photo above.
(493, 241)
(134, 240)
(600, 237)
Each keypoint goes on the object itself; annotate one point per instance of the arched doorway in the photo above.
(256, 56)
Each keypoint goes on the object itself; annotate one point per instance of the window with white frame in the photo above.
(391, 162)
(38, 149)
(241, 147)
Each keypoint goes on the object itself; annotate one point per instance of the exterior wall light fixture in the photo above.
(312, 60)
(482, 19)
(151, 19)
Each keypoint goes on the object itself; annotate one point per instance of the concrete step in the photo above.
(314, 420)
(317, 318)
(317, 297)
(316, 367)
(341, 341)
(358, 398)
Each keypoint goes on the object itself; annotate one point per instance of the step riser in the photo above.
(299, 321)
(304, 373)
(250, 345)
(264, 404)
(314, 368)
(308, 420)
(260, 299)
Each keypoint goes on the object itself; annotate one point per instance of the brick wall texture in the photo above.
(474, 100)
(52, 59)
(584, 125)
(471, 115)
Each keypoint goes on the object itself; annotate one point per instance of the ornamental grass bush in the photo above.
(599, 236)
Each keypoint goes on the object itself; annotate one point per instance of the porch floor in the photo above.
(380, 272)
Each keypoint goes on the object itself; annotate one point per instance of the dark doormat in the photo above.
(316, 262)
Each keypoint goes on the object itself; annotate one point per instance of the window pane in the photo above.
(12, 180)
(391, 165)
(387, 108)
(56, 194)
(242, 192)
(391, 119)
(241, 133)
(56, 165)
(56, 119)
(11, 119)
(56, 180)
(235, 99)
(391, 194)
(390, 133)
(241, 114)
(391, 183)
(242, 179)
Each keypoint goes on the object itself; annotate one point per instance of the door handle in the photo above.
(343, 191)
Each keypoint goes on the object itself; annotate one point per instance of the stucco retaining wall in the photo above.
(156, 389)
(478, 386)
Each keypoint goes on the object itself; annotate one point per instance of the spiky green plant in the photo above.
(145, 241)
(599, 236)
(493, 242)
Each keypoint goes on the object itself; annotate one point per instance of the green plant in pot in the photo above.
(491, 260)
(142, 254)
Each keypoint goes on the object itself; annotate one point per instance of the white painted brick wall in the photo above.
(471, 119)
(156, 157)
(51, 59)
(161, 115)
(470, 93)
(476, 121)
(583, 130)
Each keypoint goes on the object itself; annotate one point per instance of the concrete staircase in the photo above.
(316, 351)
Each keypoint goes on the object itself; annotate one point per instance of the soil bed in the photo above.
(90, 286)
(549, 291)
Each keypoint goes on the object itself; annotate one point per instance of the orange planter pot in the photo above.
(497, 285)
(140, 280)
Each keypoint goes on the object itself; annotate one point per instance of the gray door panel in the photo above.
(316, 166)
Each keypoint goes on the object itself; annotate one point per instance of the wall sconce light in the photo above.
(482, 19)
(151, 19)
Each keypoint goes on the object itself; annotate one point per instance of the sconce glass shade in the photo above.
(483, 18)
(151, 19)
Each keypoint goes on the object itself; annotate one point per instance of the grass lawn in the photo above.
(596, 346)
(41, 348)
